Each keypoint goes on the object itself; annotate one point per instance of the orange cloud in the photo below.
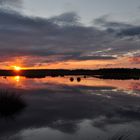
(39, 62)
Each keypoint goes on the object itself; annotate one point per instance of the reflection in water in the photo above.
(71, 79)
(121, 136)
(62, 108)
(78, 79)
(17, 79)
(24, 83)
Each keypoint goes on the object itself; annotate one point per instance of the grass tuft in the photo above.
(120, 137)
(11, 103)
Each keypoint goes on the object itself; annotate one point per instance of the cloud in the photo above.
(63, 38)
(133, 31)
(120, 28)
(11, 3)
(105, 22)
(66, 19)
(135, 60)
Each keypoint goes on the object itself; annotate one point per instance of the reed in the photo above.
(11, 103)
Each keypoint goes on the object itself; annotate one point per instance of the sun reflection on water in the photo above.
(48, 82)
(17, 79)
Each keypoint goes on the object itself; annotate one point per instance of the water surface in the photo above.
(59, 108)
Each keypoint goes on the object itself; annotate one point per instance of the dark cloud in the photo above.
(103, 21)
(119, 28)
(63, 37)
(133, 31)
(66, 19)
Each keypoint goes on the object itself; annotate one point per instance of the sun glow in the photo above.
(17, 68)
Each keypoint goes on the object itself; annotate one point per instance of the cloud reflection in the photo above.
(61, 106)
(85, 82)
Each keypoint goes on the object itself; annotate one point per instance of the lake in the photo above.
(71, 108)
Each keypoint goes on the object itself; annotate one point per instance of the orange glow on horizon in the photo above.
(20, 63)
(17, 68)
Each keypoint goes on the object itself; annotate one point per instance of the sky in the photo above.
(126, 10)
(69, 33)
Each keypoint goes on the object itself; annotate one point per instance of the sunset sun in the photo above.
(17, 68)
